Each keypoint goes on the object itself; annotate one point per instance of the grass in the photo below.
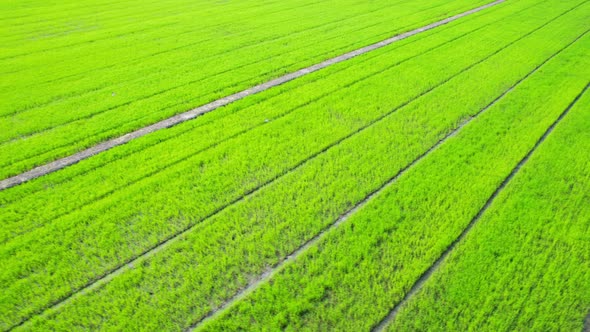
(530, 245)
(127, 222)
(158, 233)
(90, 93)
(364, 267)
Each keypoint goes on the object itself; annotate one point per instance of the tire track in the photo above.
(435, 266)
(182, 117)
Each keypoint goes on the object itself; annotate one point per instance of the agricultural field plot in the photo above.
(438, 180)
(76, 82)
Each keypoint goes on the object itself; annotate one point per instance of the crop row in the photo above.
(525, 265)
(177, 44)
(244, 111)
(125, 20)
(37, 208)
(146, 25)
(99, 107)
(85, 245)
(181, 66)
(33, 203)
(365, 267)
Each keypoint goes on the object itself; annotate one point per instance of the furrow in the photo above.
(154, 94)
(361, 60)
(174, 237)
(246, 32)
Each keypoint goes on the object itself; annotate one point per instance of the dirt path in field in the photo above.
(428, 273)
(182, 117)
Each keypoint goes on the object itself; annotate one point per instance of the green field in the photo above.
(102, 76)
(441, 182)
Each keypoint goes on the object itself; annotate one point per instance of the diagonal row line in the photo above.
(188, 31)
(201, 60)
(436, 265)
(109, 275)
(110, 109)
(182, 117)
(245, 32)
(280, 116)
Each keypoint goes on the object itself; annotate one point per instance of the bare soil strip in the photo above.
(426, 275)
(182, 117)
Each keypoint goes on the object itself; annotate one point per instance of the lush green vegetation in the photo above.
(532, 244)
(181, 220)
(363, 268)
(109, 231)
(109, 75)
(98, 177)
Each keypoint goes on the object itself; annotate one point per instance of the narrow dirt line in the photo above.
(428, 273)
(182, 117)
(318, 237)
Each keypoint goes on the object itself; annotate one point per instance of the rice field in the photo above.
(426, 169)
